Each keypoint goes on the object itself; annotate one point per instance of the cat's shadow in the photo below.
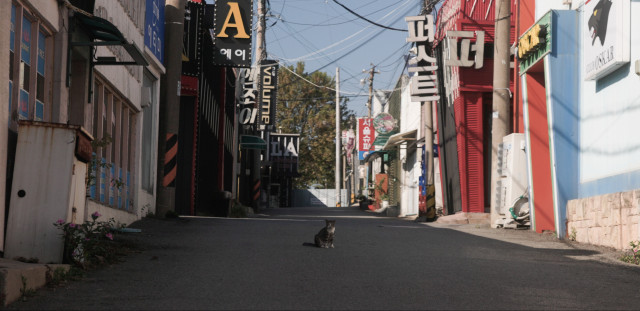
(308, 244)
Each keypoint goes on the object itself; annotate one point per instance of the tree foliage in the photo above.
(309, 110)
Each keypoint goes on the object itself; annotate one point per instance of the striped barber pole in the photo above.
(170, 161)
(256, 190)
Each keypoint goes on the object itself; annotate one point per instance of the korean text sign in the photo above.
(366, 136)
(232, 33)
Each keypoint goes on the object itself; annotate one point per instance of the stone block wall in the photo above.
(608, 220)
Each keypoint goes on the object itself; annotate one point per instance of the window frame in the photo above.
(112, 114)
(30, 87)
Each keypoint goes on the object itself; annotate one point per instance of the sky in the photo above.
(324, 35)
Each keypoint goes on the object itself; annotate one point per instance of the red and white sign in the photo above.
(366, 136)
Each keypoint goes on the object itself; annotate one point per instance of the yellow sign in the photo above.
(234, 11)
(535, 43)
(530, 40)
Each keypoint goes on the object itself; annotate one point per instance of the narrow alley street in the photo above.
(377, 263)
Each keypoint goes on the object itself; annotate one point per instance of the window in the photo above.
(113, 125)
(29, 74)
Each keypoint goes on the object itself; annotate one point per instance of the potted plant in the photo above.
(384, 197)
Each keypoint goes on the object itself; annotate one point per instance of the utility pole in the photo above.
(501, 95)
(354, 165)
(428, 141)
(170, 108)
(428, 122)
(338, 137)
(261, 54)
(372, 72)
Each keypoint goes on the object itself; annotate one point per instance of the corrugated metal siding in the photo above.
(482, 10)
(473, 141)
(468, 115)
(470, 15)
(477, 79)
(461, 133)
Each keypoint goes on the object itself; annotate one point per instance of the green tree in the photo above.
(309, 110)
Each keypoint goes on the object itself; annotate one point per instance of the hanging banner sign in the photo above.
(267, 95)
(366, 136)
(231, 33)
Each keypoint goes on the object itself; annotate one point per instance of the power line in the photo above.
(356, 48)
(305, 57)
(335, 24)
(366, 19)
(312, 83)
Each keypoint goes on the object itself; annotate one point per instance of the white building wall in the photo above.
(49, 12)
(543, 6)
(609, 117)
(409, 120)
(128, 81)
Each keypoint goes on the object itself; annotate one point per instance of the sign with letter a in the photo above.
(231, 33)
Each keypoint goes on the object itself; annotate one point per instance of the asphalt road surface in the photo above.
(377, 263)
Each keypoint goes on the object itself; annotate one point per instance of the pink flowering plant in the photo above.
(88, 244)
(633, 256)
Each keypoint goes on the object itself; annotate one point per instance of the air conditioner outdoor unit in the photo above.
(512, 171)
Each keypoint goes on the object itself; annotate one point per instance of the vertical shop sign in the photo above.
(268, 90)
(154, 28)
(195, 19)
(366, 136)
(231, 33)
(283, 153)
(424, 85)
(249, 96)
(466, 49)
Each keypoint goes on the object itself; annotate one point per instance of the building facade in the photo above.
(464, 45)
(94, 66)
(579, 100)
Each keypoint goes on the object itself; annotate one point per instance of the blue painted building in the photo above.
(580, 102)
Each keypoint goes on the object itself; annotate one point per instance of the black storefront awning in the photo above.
(101, 32)
(252, 142)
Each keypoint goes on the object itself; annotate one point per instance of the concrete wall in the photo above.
(317, 197)
(608, 220)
